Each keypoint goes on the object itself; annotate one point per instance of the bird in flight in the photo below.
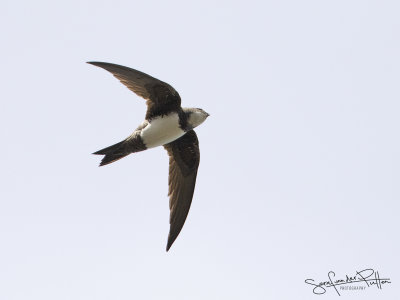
(166, 124)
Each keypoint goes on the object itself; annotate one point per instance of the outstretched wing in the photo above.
(184, 159)
(161, 97)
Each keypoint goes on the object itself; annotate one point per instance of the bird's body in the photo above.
(162, 130)
(166, 124)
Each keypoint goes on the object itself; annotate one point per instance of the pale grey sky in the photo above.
(299, 163)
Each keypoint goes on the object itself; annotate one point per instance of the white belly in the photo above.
(161, 131)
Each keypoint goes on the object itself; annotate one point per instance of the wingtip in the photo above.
(97, 63)
(94, 63)
(169, 244)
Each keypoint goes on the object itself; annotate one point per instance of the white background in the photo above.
(299, 164)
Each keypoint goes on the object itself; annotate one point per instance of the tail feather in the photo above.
(113, 153)
(119, 150)
(109, 149)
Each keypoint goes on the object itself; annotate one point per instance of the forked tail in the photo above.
(115, 152)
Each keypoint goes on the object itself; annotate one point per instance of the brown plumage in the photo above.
(163, 107)
(184, 159)
(161, 98)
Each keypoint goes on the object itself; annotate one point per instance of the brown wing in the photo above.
(161, 97)
(184, 159)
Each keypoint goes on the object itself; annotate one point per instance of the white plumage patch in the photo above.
(161, 131)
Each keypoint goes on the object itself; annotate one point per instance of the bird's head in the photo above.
(196, 116)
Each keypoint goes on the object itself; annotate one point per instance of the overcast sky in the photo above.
(299, 171)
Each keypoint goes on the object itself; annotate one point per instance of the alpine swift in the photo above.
(166, 124)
